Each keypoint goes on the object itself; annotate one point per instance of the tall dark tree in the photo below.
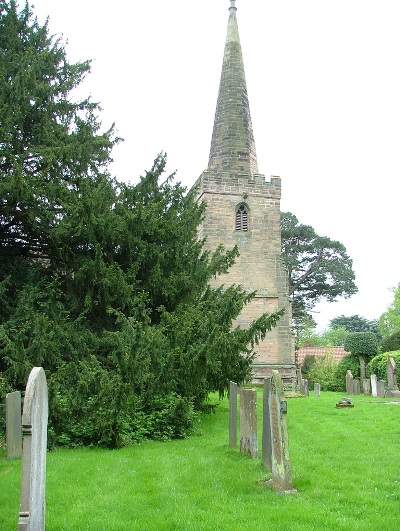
(319, 268)
(355, 323)
(104, 284)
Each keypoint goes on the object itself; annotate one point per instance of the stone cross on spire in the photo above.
(232, 145)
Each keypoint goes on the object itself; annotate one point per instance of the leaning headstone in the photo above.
(13, 425)
(391, 369)
(356, 386)
(248, 422)
(266, 430)
(374, 385)
(349, 383)
(232, 414)
(281, 469)
(317, 389)
(34, 431)
(380, 388)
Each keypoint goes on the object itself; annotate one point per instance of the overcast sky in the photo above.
(324, 89)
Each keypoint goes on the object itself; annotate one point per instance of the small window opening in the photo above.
(242, 218)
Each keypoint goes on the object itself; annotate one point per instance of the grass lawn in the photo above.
(345, 465)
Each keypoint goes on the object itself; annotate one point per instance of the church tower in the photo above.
(243, 209)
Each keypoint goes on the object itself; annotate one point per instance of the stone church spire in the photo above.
(232, 146)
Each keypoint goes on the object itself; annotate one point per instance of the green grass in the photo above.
(345, 465)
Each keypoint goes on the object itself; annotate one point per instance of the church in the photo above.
(243, 209)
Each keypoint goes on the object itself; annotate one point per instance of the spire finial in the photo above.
(232, 6)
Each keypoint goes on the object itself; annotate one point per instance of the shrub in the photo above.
(322, 371)
(350, 362)
(391, 343)
(378, 364)
(308, 362)
(362, 344)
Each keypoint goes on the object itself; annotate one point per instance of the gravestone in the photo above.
(356, 386)
(317, 389)
(391, 369)
(232, 414)
(362, 367)
(280, 462)
(299, 378)
(380, 388)
(34, 431)
(13, 425)
(367, 386)
(349, 383)
(248, 422)
(374, 385)
(304, 390)
(266, 431)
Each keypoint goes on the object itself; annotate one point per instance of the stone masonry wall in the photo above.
(259, 267)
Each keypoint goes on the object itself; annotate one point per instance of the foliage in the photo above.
(362, 344)
(308, 362)
(378, 364)
(332, 337)
(391, 342)
(350, 362)
(319, 268)
(389, 322)
(102, 283)
(322, 371)
(355, 323)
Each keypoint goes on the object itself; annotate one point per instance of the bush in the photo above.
(378, 364)
(391, 343)
(92, 406)
(350, 362)
(362, 344)
(322, 371)
(308, 362)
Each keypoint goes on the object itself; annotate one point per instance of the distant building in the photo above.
(243, 208)
(337, 353)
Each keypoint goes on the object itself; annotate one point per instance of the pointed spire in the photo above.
(232, 145)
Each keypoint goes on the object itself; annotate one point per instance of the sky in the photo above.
(324, 90)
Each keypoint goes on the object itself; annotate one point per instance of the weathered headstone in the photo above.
(374, 385)
(349, 383)
(367, 386)
(356, 386)
(248, 422)
(34, 431)
(266, 431)
(233, 414)
(317, 389)
(304, 389)
(380, 388)
(299, 378)
(281, 469)
(362, 367)
(391, 369)
(13, 425)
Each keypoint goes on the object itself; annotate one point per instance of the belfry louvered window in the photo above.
(242, 218)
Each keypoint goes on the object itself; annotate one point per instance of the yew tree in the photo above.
(104, 284)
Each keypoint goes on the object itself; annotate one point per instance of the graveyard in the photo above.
(344, 465)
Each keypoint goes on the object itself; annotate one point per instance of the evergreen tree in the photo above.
(319, 268)
(104, 284)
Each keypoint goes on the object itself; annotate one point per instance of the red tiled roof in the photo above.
(337, 352)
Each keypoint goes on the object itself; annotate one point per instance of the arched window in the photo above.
(242, 218)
